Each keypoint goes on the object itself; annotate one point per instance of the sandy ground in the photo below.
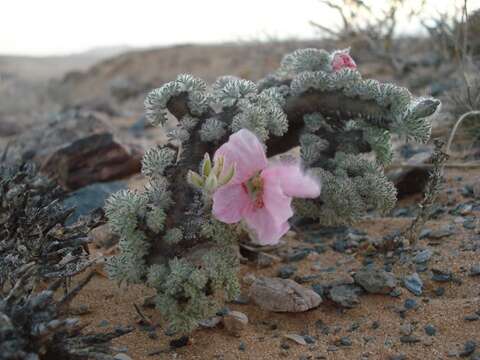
(265, 332)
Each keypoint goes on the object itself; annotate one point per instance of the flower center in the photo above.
(254, 188)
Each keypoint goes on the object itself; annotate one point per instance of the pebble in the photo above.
(444, 231)
(375, 324)
(397, 357)
(299, 339)
(410, 304)
(283, 295)
(345, 295)
(430, 330)
(180, 342)
(409, 339)
(297, 255)
(440, 291)
(472, 317)
(235, 322)
(211, 322)
(396, 292)
(406, 329)
(468, 348)
(475, 270)
(414, 284)
(375, 281)
(344, 341)
(441, 275)
(286, 272)
(319, 289)
(122, 357)
(423, 256)
(242, 346)
(103, 323)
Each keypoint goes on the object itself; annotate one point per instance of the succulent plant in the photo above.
(169, 238)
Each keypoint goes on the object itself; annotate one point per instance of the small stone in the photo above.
(286, 271)
(476, 189)
(344, 341)
(440, 291)
(430, 330)
(319, 289)
(475, 270)
(409, 339)
(309, 340)
(410, 304)
(406, 329)
(235, 322)
(444, 231)
(472, 317)
(375, 281)
(441, 275)
(211, 322)
(468, 348)
(79, 310)
(296, 338)
(242, 346)
(345, 295)
(297, 255)
(103, 323)
(283, 295)
(241, 300)
(264, 260)
(397, 357)
(396, 292)
(414, 284)
(423, 256)
(375, 324)
(122, 357)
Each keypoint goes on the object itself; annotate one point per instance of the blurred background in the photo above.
(72, 70)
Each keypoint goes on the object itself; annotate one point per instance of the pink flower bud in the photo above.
(342, 59)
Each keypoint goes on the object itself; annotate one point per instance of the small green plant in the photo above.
(316, 100)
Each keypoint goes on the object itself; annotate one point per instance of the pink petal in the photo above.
(229, 203)
(267, 230)
(245, 152)
(293, 181)
(342, 59)
(274, 198)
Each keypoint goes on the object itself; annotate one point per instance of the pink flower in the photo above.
(342, 59)
(259, 193)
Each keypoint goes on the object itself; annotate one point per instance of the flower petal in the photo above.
(274, 198)
(229, 203)
(293, 181)
(267, 230)
(245, 152)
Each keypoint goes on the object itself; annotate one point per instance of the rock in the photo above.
(468, 348)
(430, 330)
(122, 357)
(409, 339)
(95, 158)
(410, 304)
(344, 341)
(422, 256)
(78, 148)
(475, 270)
(297, 255)
(345, 295)
(296, 338)
(286, 271)
(414, 283)
(235, 322)
(441, 275)
(283, 295)
(102, 237)
(472, 317)
(265, 260)
(406, 329)
(91, 197)
(211, 322)
(375, 281)
(444, 231)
